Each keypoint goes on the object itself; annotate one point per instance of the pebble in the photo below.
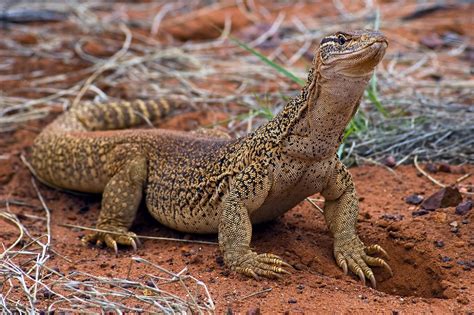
(409, 246)
(254, 311)
(419, 212)
(414, 199)
(459, 244)
(464, 207)
(439, 243)
(299, 266)
(454, 224)
(392, 217)
(390, 161)
(220, 260)
(292, 301)
(432, 168)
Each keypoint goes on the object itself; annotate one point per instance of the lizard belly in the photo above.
(290, 187)
(172, 209)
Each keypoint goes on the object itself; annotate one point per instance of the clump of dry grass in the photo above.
(30, 285)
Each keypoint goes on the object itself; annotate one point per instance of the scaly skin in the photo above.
(205, 182)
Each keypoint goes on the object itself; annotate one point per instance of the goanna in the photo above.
(203, 182)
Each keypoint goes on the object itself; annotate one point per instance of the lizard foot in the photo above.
(254, 265)
(353, 254)
(112, 239)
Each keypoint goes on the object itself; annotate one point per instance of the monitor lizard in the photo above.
(205, 182)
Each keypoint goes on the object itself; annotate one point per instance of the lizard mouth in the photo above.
(378, 46)
(361, 62)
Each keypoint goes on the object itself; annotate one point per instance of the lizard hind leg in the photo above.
(120, 201)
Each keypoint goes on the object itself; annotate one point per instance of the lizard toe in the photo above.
(378, 262)
(112, 240)
(376, 249)
(265, 265)
(353, 255)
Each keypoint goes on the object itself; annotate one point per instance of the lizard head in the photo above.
(352, 54)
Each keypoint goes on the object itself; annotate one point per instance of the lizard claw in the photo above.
(352, 254)
(255, 265)
(376, 249)
(112, 240)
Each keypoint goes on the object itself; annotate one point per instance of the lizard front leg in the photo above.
(235, 230)
(340, 211)
(120, 201)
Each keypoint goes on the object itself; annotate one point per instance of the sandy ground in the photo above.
(432, 255)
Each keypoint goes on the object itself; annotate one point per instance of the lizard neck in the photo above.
(318, 116)
(330, 106)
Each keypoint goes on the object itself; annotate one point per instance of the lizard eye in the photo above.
(341, 40)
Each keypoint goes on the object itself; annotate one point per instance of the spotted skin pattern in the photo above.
(206, 182)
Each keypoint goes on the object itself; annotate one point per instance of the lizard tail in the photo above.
(123, 114)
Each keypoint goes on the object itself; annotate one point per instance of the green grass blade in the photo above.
(272, 64)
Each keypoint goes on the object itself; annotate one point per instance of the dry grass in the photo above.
(428, 119)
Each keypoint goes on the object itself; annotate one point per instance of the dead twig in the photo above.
(434, 181)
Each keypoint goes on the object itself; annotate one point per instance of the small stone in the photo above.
(414, 199)
(430, 167)
(465, 221)
(454, 224)
(459, 244)
(292, 301)
(439, 243)
(445, 259)
(254, 311)
(390, 161)
(409, 246)
(299, 266)
(220, 261)
(464, 207)
(392, 217)
(103, 265)
(443, 198)
(443, 167)
(419, 212)
(225, 273)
